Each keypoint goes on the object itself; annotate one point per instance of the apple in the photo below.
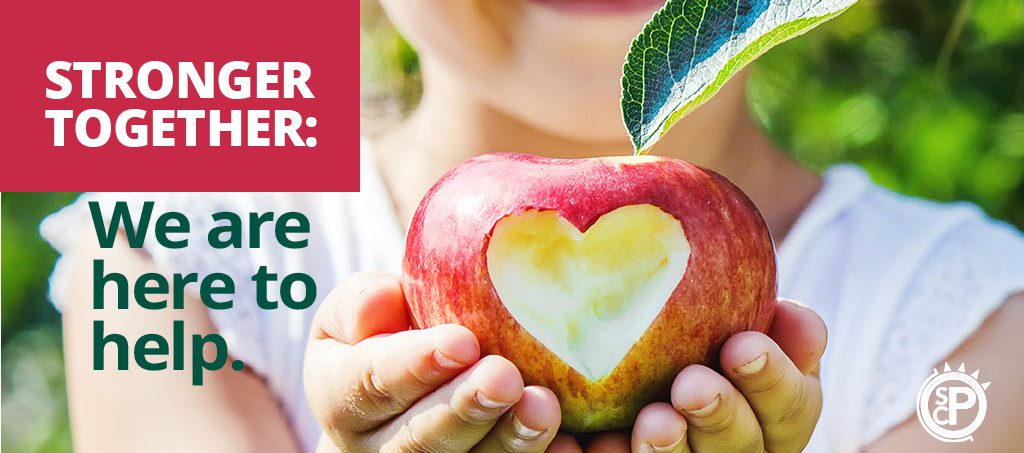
(598, 278)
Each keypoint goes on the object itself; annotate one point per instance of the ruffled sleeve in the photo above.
(971, 270)
(240, 325)
(901, 283)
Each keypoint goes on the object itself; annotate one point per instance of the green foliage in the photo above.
(34, 405)
(928, 96)
(688, 50)
(389, 79)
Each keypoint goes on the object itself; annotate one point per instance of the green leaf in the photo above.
(690, 48)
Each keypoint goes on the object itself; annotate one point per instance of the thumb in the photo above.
(364, 305)
(801, 334)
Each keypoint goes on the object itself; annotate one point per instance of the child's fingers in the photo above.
(365, 304)
(659, 428)
(458, 415)
(357, 388)
(564, 443)
(800, 332)
(786, 401)
(528, 427)
(718, 417)
(609, 443)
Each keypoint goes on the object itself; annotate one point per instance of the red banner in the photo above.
(180, 96)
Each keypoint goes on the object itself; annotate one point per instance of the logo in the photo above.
(951, 405)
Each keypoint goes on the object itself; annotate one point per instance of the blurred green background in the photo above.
(34, 405)
(927, 95)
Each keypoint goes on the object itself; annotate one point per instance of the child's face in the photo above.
(553, 64)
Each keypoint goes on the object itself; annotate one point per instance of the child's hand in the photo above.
(768, 399)
(376, 386)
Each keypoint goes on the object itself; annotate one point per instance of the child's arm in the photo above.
(996, 350)
(141, 411)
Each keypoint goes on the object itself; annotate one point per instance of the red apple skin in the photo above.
(729, 285)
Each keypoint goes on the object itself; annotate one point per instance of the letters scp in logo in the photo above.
(951, 405)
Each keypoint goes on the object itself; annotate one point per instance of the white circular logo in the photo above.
(951, 405)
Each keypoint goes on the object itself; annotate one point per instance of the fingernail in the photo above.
(377, 384)
(752, 367)
(665, 448)
(525, 432)
(446, 362)
(708, 409)
(488, 403)
(485, 409)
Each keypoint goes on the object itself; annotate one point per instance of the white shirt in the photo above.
(900, 283)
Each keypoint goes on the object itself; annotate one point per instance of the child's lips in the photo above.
(602, 6)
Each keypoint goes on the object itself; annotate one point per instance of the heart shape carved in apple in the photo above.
(597, 278)
(587, 296)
